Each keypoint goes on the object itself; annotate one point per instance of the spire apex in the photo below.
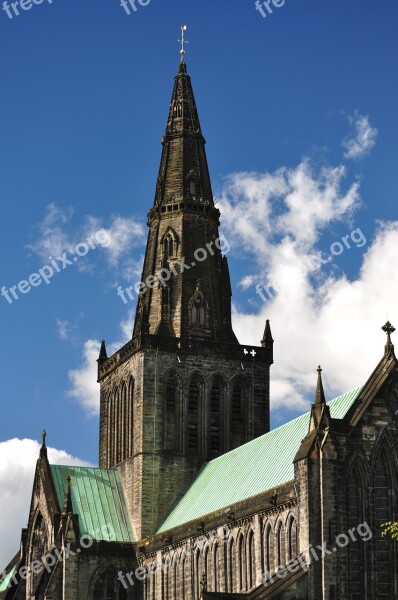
(103, 353)
(319, 394)
(389, 329)
(267, 340)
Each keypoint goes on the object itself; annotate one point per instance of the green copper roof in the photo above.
(97, 499)
(7, 579)
(255, 467)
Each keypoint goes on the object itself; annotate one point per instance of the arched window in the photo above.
(238, 421)
(269, 560)
(292, 538)
(130, 418)
(172, 425)
(197, 575)
(183, 566)
(241, 564)
(192, 187)
(215, 561)
(122, 423)
(280, 545)
(231, 565)
(251, 561)
(168, 246)
(215, 398)
(207, 567)
(382, 513)
(194, 394)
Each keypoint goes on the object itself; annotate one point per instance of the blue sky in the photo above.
(85, 95)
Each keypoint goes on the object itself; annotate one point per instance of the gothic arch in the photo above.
(238, 411)
(268, 547)
(216, 408)
(231, 564)
(170, 243)
(130, 417)
(215, 552)
(172, 407)
(241, 559)
(280, 545)
(292, 537)
(194, 413)
(250, 559)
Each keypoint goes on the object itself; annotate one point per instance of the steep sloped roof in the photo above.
(255, 467)
(97, 499)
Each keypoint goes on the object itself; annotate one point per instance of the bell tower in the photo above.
(183, 390)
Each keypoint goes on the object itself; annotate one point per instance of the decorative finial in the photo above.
(389, 329)
(319, 394)
(183, 41)
(43, 449)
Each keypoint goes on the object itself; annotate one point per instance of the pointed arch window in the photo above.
(269, 561)
(251, 561)
(215, 398)
(292, 539)
(238, 421)
(168, 246)
(231, 565)
(280, 545)
(241, 564)
(194, 394)
(215, 559)
(172, 425)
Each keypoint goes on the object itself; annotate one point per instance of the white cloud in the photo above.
(275, 221)
(362, 138)
(84, 386)
(17, 467)
(116, 240)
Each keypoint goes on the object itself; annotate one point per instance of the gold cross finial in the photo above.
(183, 41)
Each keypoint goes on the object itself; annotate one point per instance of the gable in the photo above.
(98, 501)
(262, 464)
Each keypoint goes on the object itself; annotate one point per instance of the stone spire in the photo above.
(183, 172)
(183, 242)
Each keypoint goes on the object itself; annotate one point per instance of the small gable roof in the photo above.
(251, 469)
(97, 499)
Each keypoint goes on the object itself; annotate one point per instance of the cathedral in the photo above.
(195, 498)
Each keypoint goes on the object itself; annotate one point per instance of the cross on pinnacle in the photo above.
(183, 41)
(388, 329)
